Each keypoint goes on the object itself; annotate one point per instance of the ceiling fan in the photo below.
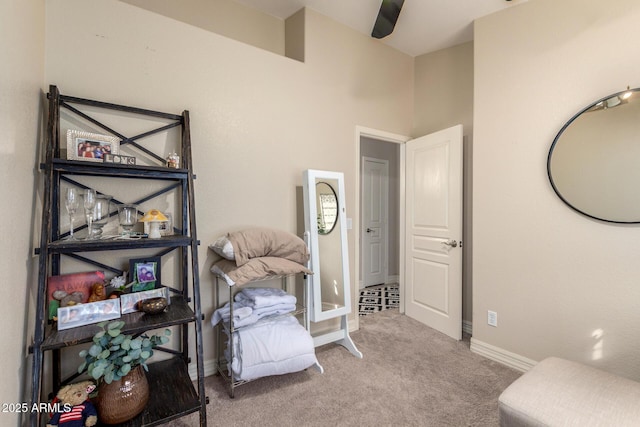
(387, 17)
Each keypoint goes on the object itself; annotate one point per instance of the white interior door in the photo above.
(375, 194)
(433, 230)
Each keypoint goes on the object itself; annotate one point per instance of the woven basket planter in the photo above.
(123, 399)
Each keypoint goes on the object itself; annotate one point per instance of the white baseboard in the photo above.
(515, 361)
(390, 280)
(209, 369)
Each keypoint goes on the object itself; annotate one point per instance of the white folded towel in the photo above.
(244, 315)
(241, 315)
(264, 297)
(271, 310)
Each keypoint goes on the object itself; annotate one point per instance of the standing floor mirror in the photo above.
(326, 232)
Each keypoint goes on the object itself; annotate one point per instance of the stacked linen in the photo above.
(252, 304)
(242, 316)
(266, 301)
(275, 347)
(259, 253)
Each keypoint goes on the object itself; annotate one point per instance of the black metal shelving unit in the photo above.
(174, 394)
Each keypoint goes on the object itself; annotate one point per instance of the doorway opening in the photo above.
(390, 139)
(379, 207)
(380, 201)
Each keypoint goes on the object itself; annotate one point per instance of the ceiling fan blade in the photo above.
(387, 17)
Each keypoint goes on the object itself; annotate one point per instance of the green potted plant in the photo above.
(116, 361)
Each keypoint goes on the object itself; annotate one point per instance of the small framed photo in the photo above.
(84, 314)
(144, 273)
(90, 147)
(129, 302)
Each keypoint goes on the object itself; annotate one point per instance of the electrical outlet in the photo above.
(492, 318)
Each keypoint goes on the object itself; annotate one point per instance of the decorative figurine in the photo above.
(154, 217)
(173, 161)
(98, 293)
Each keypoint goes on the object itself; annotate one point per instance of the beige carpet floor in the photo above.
(410, 375)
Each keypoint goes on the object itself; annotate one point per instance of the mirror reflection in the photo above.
(327, 207)
(592, 163)
(329, 246)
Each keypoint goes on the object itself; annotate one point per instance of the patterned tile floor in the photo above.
(378, 298)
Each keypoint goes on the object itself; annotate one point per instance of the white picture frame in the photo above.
(88, 313)
(90, 147)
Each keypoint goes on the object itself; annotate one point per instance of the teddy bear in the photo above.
(74, 407)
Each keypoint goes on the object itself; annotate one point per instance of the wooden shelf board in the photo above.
(178, 313)
(117, 170)
(71, 246)
(172, 394)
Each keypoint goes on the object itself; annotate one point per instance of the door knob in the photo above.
(451, 243)
(369, 230)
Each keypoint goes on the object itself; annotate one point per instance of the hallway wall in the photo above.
(388, 151)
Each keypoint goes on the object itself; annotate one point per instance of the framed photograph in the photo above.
(129, 302)
(85, 314)
(69, 289)
(90, 147)
(145, 273)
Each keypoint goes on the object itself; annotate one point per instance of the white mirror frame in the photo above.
(310, 177)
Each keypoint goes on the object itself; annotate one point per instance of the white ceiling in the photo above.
(423, 26)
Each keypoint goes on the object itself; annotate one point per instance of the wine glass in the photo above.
(89, 207)
(71, 202)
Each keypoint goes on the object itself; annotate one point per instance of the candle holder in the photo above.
(128, 217)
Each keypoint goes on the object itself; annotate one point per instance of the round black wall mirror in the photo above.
(594, 161)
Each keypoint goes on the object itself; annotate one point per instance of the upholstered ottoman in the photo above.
(557, 392)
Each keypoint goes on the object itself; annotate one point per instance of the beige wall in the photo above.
(444, 98)
(258, 119)
(225, 17)
(21, 74)
(444, 90)
(562, 284)
(294, 36)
